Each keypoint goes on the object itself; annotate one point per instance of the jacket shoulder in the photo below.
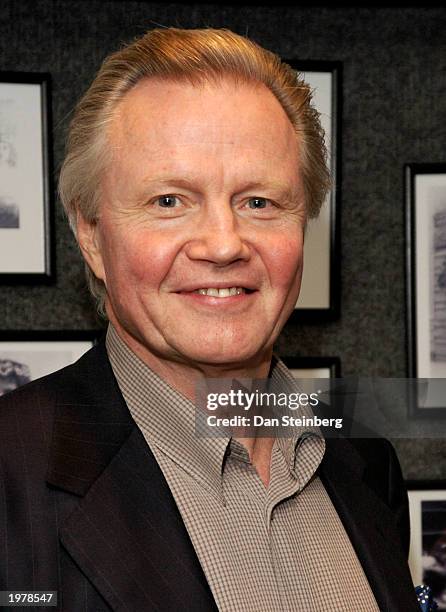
(26, 430)
(383, 474)
(382, 470)
(27, 413)
(28, 410)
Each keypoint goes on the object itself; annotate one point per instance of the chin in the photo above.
(233, 356)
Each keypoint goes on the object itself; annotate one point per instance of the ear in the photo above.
(88, 237)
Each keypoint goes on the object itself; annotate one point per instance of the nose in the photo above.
(217, 237)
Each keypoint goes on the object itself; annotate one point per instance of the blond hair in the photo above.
(194, 56)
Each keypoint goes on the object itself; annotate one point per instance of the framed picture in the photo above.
(313, 367)
(425, 193)
(26, 247)
(427, 557)
(25, 356)
(319, 297)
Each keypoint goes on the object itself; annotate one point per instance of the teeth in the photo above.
(222, 293)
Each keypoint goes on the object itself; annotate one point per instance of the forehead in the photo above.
(160, 115)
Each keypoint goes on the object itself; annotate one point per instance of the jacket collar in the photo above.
(91, 423)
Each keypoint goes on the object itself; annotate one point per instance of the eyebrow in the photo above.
(276, 188)
(185, 183)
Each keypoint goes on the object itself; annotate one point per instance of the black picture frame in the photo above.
(27, 355)
(426, 523)
(425, 189)
(331, 364)
(26, 230)
(328, 308)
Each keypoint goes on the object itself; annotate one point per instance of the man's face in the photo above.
(204, 194)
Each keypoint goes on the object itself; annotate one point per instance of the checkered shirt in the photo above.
(281, 548)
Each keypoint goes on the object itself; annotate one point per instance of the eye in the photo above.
(167, 201)
(258, 203)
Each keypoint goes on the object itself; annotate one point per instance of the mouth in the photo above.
(231, 298)
(222, 292)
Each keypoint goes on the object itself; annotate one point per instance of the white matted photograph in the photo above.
(26, 356)
(25, 175)
(313, 367)
(319, 295)
(426, 278)
(427, 558)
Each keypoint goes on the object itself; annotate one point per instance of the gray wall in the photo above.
(394, 112)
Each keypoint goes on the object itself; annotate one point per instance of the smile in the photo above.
(221, 293)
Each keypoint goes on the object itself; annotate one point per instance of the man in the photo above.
(193, 163)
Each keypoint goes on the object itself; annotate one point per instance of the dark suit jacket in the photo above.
(85, 509)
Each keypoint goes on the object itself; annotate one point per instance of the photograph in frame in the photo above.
(427, 557)
(313, 367)
(26, 253)
(426, 283)
(27, 356)
(319, 297)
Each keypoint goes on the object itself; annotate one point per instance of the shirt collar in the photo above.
(167, 418)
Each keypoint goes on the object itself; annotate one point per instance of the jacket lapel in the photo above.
(370, 526)
(126, 533)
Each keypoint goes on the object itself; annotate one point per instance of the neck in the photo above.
(183, 376)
